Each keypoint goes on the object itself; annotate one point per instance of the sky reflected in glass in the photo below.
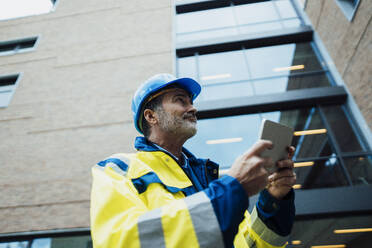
(233, 20)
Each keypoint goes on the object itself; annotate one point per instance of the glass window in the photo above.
(259, 27)
(223, 139)
(293, 23)
(10, 9)
(282, 60)
(245, 88)
(342, 129)
(286, 9)
(60, 242)
(349, 7)
(7, 87)
(187, 67)
(256, 71)
(320, 232)
(360, 169)
(241, 19)
(222, 67)
(201, 25)
(325, 173)
(15, 46)
(256, 13)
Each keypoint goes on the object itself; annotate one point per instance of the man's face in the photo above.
(177, 114)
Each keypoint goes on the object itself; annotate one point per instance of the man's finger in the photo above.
(259, 147)
(282, 174)
(291, 151)
(285, 164)
(284, 181)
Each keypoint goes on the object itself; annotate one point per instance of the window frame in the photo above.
(16, 42)
(348, 8)
(10, 88)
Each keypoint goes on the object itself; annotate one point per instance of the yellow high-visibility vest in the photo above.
(156, 215)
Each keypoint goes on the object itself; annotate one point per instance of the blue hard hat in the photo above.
(154, 85)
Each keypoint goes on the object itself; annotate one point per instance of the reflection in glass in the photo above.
(224, 128)
(204, 20)
(360, 169)
(245, 88)
(225, 91)
(307, 146)
(230, 64)
(322, 174)
(187, 67)
(246, 127)
(241, 19)
(60, 242)
(257, 71)
(243, 129)
(281, 59)
(342, 129)
(312, 232)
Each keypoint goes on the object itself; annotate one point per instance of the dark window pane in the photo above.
(322, 174)
(307, 145)
(342, 129)
(79, 241)
(313, 232)
(360, 169)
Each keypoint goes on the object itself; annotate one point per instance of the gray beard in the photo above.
(176, 125)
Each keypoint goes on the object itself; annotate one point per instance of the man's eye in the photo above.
(181, 100)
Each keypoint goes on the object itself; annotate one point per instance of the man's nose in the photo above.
(192, 109)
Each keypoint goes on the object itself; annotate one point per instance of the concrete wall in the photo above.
(72, 106)
(350, 46)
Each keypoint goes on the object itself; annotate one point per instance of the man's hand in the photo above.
(282, 181)
(249, 169)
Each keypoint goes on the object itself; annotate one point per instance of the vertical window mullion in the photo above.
(333, 142)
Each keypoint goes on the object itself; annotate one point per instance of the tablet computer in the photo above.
(281, 136)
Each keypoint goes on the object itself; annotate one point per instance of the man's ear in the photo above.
(150, 116)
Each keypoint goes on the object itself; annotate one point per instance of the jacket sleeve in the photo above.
(119, 218)
(278, 215)
(269, 223)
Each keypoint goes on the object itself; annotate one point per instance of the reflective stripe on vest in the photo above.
(204, 220)
(151, 225)
(150, 229)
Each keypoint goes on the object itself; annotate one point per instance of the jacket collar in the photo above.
(143, 144)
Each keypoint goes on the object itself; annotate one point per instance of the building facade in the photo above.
(67, 78)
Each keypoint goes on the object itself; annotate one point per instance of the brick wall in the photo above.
(72, 105)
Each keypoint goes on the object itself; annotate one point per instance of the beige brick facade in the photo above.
(72, 105)
(350, 46)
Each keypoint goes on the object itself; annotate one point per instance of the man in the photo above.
(163, 196)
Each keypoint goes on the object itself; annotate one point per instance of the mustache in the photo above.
(189, 115)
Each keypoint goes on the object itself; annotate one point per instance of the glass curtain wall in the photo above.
(236, 19)
(329, 151)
